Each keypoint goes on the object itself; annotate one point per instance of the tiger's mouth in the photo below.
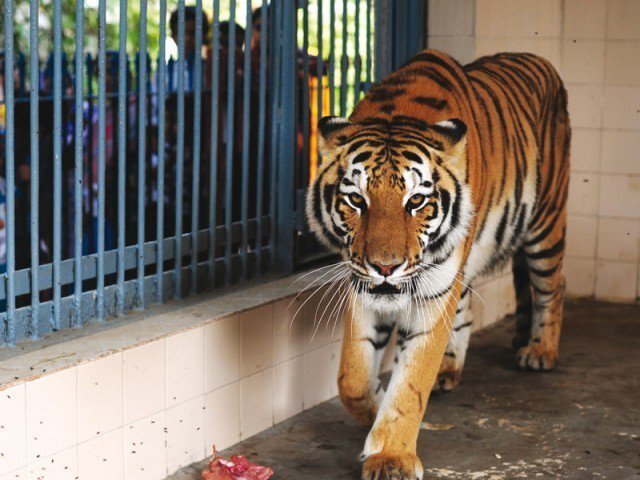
(385, 288)
(365, 284)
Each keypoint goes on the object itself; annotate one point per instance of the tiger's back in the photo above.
(523, 125)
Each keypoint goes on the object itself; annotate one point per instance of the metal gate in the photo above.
(132, 176)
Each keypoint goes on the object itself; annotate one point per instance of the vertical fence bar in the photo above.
(77, 167)
(264, 41)
(197, 100)
(344, 61)
(400, 26)
(57, 159)
(320, 72)
(246, 112)
(383, 58)
(369, 40)
(357, 59)
(213, 160)
(231, 68)
(122, 152)
(286, 155)
(162, 81)
(179, 153)
(305, 94)
(332, 56)
(416, 30)
(34, 123)
(102, 131)
(10, 168)
(90, 127)
(142, 149)
(276, 40)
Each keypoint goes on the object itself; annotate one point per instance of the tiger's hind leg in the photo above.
(450, 371)
(544, 261)
(522, 284)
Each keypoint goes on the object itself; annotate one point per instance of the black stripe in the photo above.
(543, 273)
(435, 103)
(431, 74)
(378, 345)
(546, 231)
(503, 224)
(552, 251)
(412, 157)
(517, 231)
(356, 145)
(460, 327)
(384, 328)
(362, 157)
(317, 210)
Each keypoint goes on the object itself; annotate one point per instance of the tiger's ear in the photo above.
(329, 128)
(454, 132)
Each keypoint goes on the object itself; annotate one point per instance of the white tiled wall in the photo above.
(143, 413)
(595, 44)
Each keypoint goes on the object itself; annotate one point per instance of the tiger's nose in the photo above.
(385, 269)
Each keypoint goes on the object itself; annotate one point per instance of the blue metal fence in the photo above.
(149, 181)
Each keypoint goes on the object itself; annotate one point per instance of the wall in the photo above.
(142, 412)
(595, 44)
(140, 399)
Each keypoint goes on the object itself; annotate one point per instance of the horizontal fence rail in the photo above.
(152, 150)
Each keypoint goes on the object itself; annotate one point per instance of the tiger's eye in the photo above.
(416, 200)
(357, 200)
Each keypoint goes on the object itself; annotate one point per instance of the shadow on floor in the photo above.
(581, 421)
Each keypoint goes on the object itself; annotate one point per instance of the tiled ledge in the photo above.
(142, 397)
(73, 347)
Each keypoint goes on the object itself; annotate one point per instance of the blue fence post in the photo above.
(400, 32)
(10, 332)
(122, 153)
(177, 293)
(57, 161)
(231, 84)
(78, 166)
(102, 126)
(265, 32)
(287, 138)
(162, 74)
(416, 31)
(34, 123)
(213, 159)
(197, 105)
(383, 59)
(142, 150)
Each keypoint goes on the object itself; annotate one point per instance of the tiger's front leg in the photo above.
(365, 337)
(390, 448)
(456, 351)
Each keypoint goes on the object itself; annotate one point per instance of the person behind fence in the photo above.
(172, 124)
(225, 124)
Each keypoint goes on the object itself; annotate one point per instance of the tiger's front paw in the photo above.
(381, 466)
(537, 356)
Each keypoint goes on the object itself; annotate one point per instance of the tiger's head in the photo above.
(392, 198)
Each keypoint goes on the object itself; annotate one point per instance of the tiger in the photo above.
(441, 174)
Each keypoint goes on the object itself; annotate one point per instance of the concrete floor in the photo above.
(581, 421)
